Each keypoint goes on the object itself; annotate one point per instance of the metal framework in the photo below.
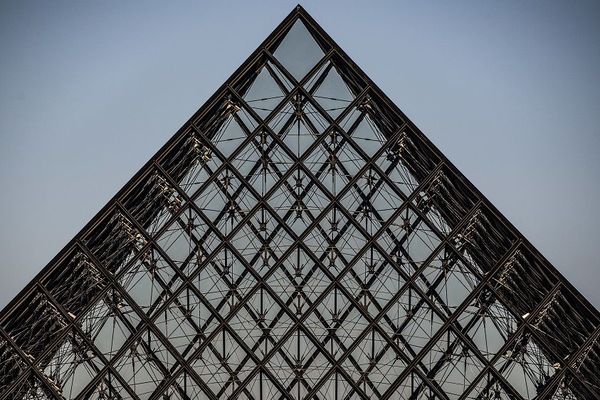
(298, 238)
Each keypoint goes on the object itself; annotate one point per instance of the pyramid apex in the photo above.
(299, 8)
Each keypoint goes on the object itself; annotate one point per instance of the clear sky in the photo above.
(508, 90)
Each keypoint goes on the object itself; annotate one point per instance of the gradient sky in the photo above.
(508, 90)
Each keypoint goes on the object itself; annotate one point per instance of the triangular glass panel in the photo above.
(333, 94)
(264, 93)
(109, 323)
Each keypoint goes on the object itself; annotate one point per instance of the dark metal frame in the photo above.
(544, 329)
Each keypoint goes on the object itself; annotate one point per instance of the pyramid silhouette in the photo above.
(299, 237)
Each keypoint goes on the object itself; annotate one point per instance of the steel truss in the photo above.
(297, 238)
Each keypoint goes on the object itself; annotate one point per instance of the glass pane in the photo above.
(298, 52)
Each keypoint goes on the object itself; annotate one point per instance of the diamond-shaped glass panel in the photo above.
(298, 52)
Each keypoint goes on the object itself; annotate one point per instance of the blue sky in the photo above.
(509, 91)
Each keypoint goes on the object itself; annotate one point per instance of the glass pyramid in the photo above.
(299, 238)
